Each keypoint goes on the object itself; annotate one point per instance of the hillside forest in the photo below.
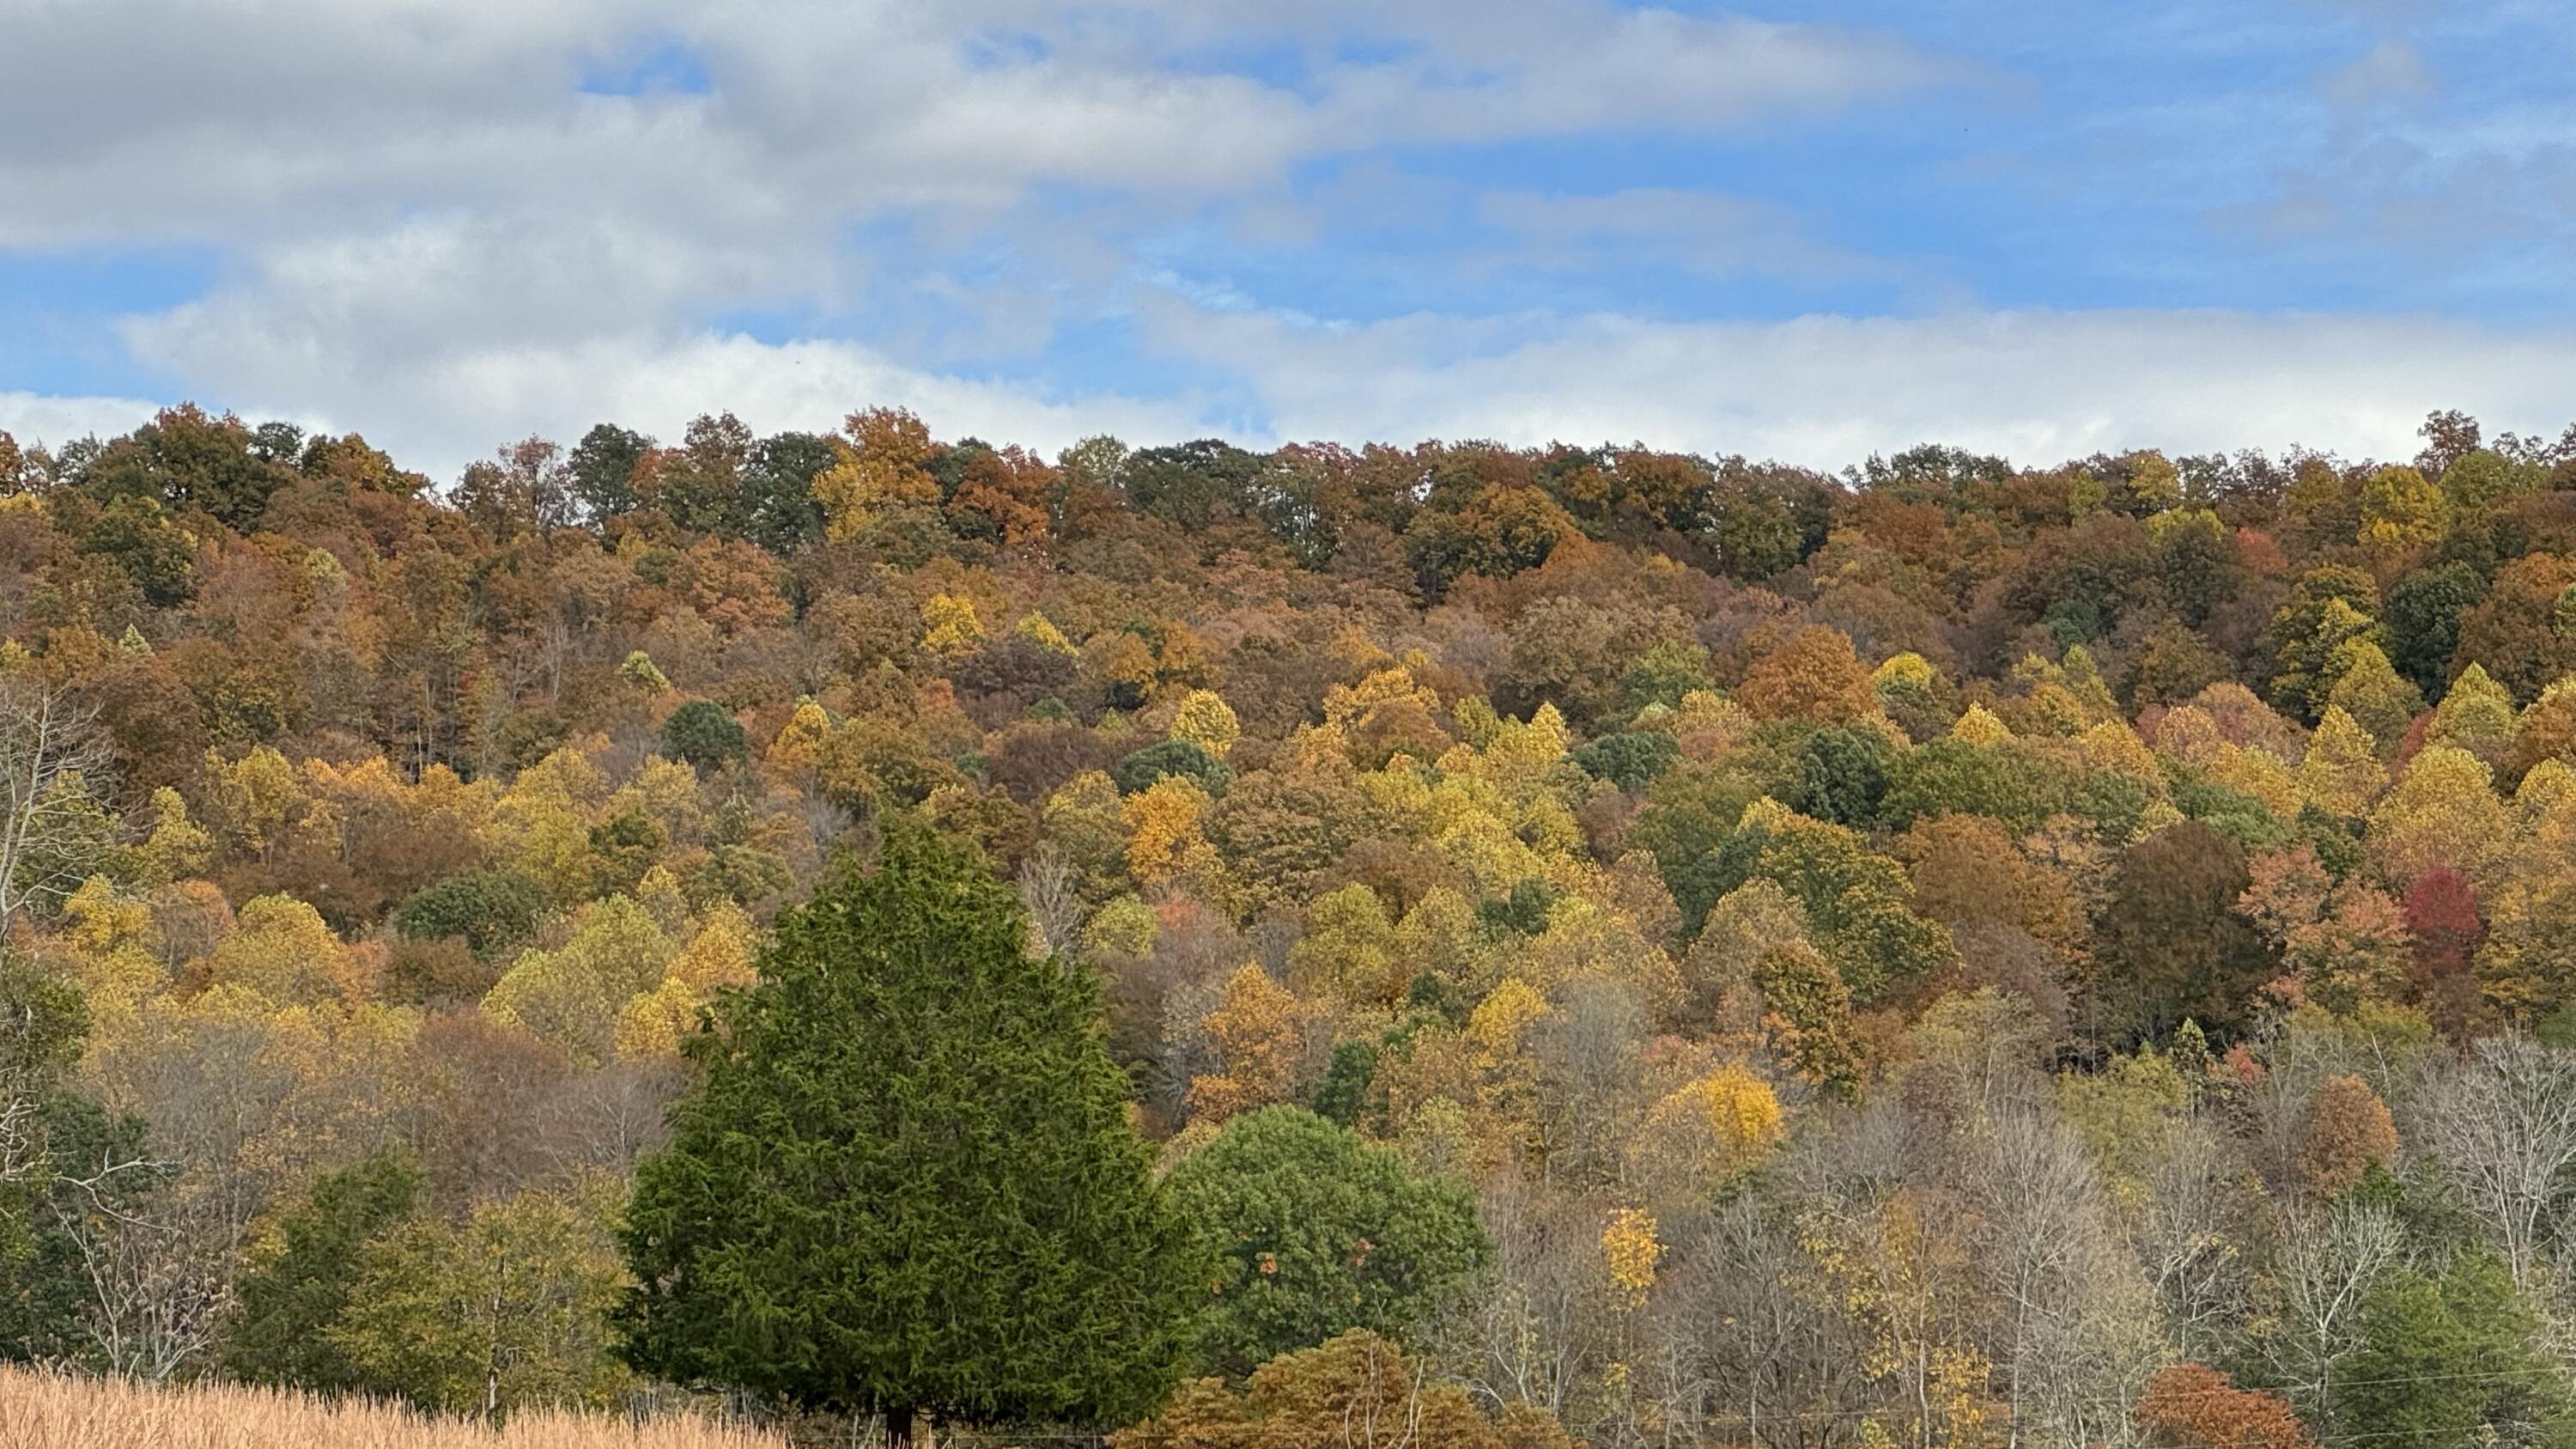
(1542, 945)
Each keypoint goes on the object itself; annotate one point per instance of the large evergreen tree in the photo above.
(908, 1184)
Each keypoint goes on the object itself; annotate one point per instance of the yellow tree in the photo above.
(2401, 509)
(2477, 715)
(879, 465)
(2368, 687)
(1259, 1033)
(1350, 949)
(1205, 720)
(1166, 840)
(280, 949)
(1705, 1133)
(2341, 773)
(950, 625)
(575, 995)
(2443, 812)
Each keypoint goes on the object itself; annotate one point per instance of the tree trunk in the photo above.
(899, 1428)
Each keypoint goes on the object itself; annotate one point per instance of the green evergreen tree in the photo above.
(908, 1183)
(299, 1281)
(702, 734)
(2450, 1359)
(1316, 1232)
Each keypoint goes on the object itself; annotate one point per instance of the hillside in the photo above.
(1954, 951)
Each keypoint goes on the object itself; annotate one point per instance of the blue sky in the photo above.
(1806, 232)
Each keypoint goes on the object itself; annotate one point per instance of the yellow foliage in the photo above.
(1041, 631)
(280, 949)
(1259, 1032)
(2112, 745)
(1496, 1025)
(1205, 720)
(1979, 727)
(880, 466)
(249, 799)
(1350, 949)
(797, 753)
(2341, 773)
(1125, 926)
(1716, 1126)
(576, 995)
(1165, 840)
(541, 824)
(654, 1023)
(109, 939)
(1630, 1249)
(2258, 773)
(2476, 714)
(1908, 669)
(950, 625)
(719, 953)
(2442, 812)
(178, 847)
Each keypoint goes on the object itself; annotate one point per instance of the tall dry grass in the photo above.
(54, 1411)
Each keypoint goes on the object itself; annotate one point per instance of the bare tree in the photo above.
(52, 830)
(2326, 1266)
(1051, 891)
(2075, 1333)
(1528, 1337)
(2504, 1125)
(2183, 1232)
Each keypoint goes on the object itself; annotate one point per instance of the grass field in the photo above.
(49, 1411)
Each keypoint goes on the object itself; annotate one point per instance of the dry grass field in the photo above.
(49, 1411)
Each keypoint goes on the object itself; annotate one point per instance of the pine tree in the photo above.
(299, 1281)
(908, 1184)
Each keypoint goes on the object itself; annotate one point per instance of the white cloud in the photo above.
(33, 418)
(1826, 391)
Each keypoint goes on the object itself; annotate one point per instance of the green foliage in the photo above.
(1857, 903)
(2453, 1358)
(1954, 777)
(300, 1281)
(2424, 610)
(2171, 944)
(1316, 1232)
(1522, 913)
(1662, 675)
(1842, 775)
(704, 735)
(507, 1309)
(489, 908)
(95, 1177)
(907, 1181)
(1139, 770)
(1631, 760)
(1343, 1093)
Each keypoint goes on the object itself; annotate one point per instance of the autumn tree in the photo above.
(2192, 1406)
(2171, 944)
(505, 1310)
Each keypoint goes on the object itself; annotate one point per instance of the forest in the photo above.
(1470, 945)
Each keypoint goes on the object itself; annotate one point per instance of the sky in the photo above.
(2034, 227)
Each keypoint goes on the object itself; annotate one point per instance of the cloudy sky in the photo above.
(2040, 227)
